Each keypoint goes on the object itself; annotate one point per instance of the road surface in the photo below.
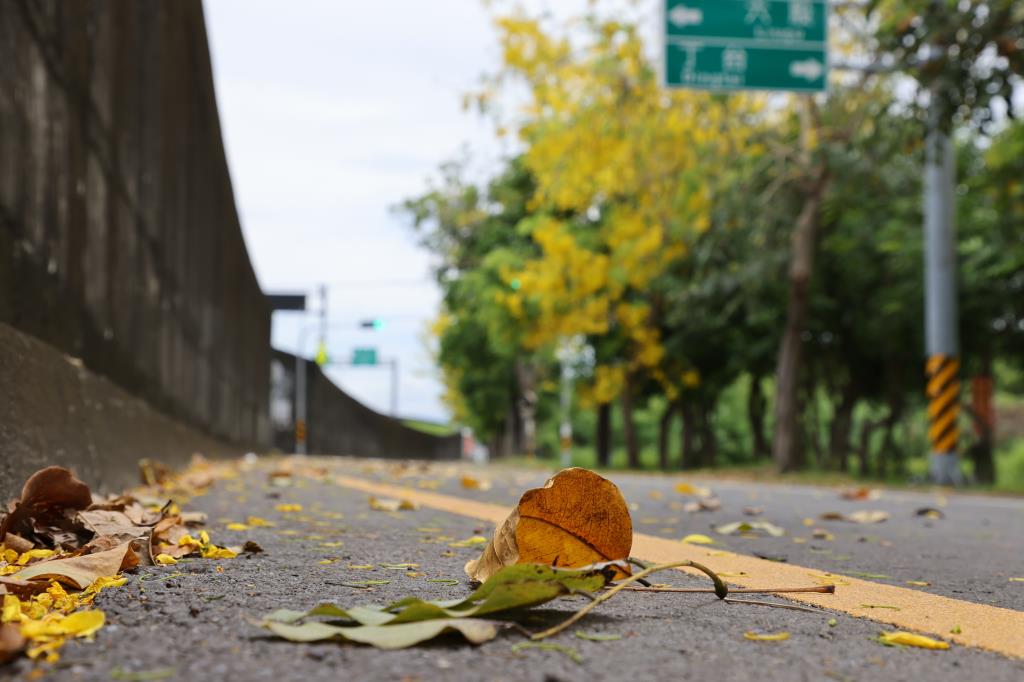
(193, 621)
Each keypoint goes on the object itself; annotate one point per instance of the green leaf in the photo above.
(386, 636)
(513, 587)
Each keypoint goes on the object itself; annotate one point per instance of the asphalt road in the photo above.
(193, 622)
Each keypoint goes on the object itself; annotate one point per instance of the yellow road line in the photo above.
(982, 626)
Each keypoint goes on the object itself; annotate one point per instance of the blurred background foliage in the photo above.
(653, 232)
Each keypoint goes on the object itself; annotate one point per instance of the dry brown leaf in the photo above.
(859, 494)
(114, 524)
(45, 497)
(22, 589)
(11, 642)
(17, 543)
(578, 518)
(82, 571)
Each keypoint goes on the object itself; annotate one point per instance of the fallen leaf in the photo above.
(772, 637)
(473, 541)
(868, 516)
(956, 630)
(386, 637)
(471, 483)
(577, 519)
(910, 639)
(689, 489)
(549, 646)
(165, 559)
(822, 534)
(237, 526)
(113, 524)
(859, 494)
(751, 527)
(930, 512)
(703, 504)
(81, 571)
(697, 539)
(513, 587)
(23, 589)
(753, 511)
(870, 576)
(251, 547)
(861, 516)
(17, 543)
(1017, 580)
(46, 498)
(389, 505)
(12, 643)
(257, 522)
(918, 583)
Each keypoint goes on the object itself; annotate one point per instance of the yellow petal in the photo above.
(773, 637)
(237, 526)
(469, 542)
(257, 522)
(83, 623)
(34, 554)
(165, 559)
(910, 639)
(698, 539)
(288, 508)
(11, 612)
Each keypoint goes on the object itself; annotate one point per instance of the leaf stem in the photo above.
(823, 589)
(720, 589)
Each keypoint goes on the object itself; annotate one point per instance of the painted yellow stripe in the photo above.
(940, 425)
(932, 365)
(938, 381)
(942, 403)
(985, 627)
(948, 444)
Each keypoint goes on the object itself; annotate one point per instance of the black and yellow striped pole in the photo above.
(943, 363)
(943, 391)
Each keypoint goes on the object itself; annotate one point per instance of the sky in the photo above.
(332, 112)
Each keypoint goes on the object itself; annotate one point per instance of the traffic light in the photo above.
(375, 324)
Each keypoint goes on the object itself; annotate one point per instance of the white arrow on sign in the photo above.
(681, 16)
(811, 69)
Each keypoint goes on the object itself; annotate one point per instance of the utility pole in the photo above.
(942, 366)
(394, 388)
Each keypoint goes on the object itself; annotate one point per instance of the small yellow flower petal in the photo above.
(698, 539)
(910, 639)
(165, 559)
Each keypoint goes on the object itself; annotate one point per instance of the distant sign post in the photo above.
(366, 357)
(746, 44)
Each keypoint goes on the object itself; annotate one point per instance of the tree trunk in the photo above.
(756, 409)
(787, 450)
(840, 428)
(885, 453)
(526, 376)
(867, 429)
(603, 439)
(708, 439)
(663, 431)
(983, 416)
(629, 427)
(687, 459)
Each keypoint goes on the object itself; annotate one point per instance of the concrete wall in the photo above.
(339, 424)
(119, 238)
(55, 411)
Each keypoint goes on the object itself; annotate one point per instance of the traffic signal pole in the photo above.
(942, 366)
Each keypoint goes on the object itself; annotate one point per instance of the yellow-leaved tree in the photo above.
(624, 174)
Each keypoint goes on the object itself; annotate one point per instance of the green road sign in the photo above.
(364, 356)
(746, 44)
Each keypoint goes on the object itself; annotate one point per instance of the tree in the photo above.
(493, 384)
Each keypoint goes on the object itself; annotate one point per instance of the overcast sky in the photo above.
(332, 112)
